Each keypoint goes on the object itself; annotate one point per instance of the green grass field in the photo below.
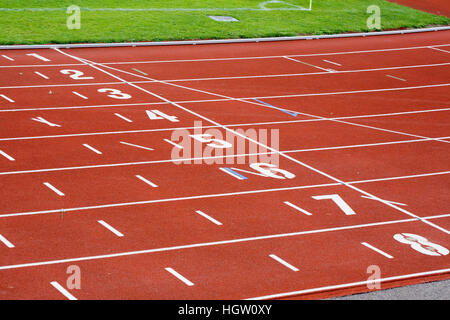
(20, 25)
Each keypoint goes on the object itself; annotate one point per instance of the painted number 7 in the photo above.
(339, 202)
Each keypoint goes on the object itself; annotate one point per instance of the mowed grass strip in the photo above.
(46, 23)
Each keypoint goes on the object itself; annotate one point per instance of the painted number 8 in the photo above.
(421, 244)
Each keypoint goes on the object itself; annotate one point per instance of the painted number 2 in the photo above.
(76, 74)
(421, 244)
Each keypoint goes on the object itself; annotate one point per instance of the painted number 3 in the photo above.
(421, 244)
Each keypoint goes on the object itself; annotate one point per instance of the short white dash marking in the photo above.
(311, 65)
(388, 75)
(204, 215)
(284, 263)
(59, 193)
(61, 289)
(136, 146)
(41, 75)
(113, 230)
(393, 202)
(377, 250)
(92, 148)
(6, 98)
(80, 95)
(6, 57)
(335, 63)
(122, 117)
(297, 208)
(7, 156)
(146, 181)
(6, 242)
(179, 276)
(173, 143)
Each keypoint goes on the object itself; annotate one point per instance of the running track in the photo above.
(364, 135)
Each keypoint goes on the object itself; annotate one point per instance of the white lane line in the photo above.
(397, 203)
(7, 156)
(41, 75)
(6, 57)
(396, 78)
(297, 208)
(180, 277)
(311, 65)
(6, 98)
(80, 95)
(6, 242)
(137, 146)
(332, 62)
(377, 250)
(442, 50)
(122, 117)
(110, 228)
(350, 285)
(173, 143)
(61, 289)
(51, 187)
(284, 263)
(209, 218)
(91, 148)
(146, 181)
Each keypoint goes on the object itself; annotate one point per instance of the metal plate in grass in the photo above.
(224, 18)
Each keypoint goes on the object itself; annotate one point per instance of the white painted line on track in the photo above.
(146, 181)
(284, 263)
(41, 75)
(397, 203)
(37, 56)
(209, 217)
(80, 95)
(173, 143)
(122, 117)
(61, 289)
(110, 228)
(7, 156)
(8, 58)
(180, 277)
(297, 208)
(396, 78)
(308, 64)
(438, 49)
(6, 98)
(377, 250)
(92, 148)
(136, 146)
(332, 62)
(55, 190)
(6, 242)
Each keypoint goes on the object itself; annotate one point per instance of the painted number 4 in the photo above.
(421, 244)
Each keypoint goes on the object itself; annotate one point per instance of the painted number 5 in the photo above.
(421, 244)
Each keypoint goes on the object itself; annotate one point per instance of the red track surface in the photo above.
(441, 7)
(372, 121)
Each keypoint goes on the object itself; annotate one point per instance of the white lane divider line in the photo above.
(297, 208)
(91, 148)
(180, 277)
(6, 242)
(146, 181)
(110, 228)
(442, 50)
(396, 78)
(173, 143)
(204, 215)
(137, 146)
(7, 156)
(332, 62)
(309, 64)
(392, 202)
(61, 289)
(80, 95)
(55, 190)
(122, 117)
(377, 250)
(6, 98)
(41, 75)
(6, 57)
(284, 263)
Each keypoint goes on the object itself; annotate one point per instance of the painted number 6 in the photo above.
(421, 244)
